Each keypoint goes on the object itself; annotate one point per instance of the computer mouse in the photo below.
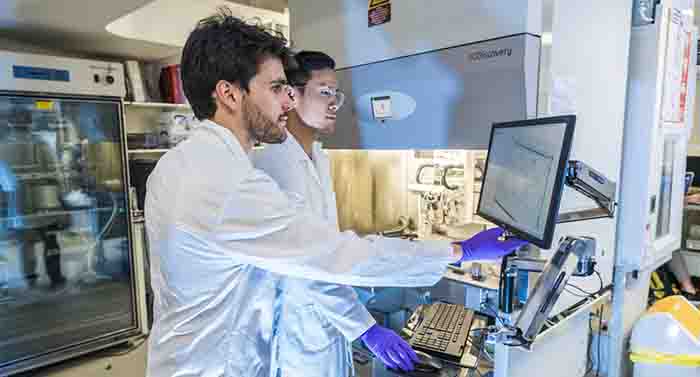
(427, 363)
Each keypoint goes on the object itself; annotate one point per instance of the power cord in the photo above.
(500, 320)
(599, 313)
(600, 279)
(600, 329)
(587, 295)
(589, 367)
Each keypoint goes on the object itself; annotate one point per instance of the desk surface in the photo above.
(490, 271)
(375, 368)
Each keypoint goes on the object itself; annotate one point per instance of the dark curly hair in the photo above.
(298, 72)
(223, 47)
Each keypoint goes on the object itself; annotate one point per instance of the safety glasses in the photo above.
(334, 97)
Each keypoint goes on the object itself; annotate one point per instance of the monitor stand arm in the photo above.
(594, 185)
(551, 283)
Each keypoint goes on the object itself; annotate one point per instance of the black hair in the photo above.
(223, 47)
(299, 72)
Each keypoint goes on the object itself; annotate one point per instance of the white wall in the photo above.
(588, 77)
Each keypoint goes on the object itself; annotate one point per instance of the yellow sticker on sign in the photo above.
(376, 3)
(44, 105)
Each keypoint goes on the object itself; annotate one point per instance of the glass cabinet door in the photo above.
(65, 264)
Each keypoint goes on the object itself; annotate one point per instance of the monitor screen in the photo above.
(524, 177)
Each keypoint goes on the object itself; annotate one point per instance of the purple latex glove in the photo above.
(390, 348)
(485, 245)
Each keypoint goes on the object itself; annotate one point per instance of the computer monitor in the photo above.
(524, 176)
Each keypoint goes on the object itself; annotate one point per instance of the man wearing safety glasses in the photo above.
(322, 319)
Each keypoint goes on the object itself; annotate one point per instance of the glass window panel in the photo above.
(65, 274)
(663, 223)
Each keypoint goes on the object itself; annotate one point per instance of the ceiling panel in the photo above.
(76, 26)
(79, 26)
(170, 21)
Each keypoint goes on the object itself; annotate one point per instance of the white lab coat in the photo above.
(218, 231)
(320, 319)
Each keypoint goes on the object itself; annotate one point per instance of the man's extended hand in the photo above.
(486, 245)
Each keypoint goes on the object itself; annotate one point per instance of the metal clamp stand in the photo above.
(594, 185)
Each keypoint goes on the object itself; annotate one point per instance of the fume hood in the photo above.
(442, 99)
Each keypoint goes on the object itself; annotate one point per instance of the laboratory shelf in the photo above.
(142, 151)
(161, 105)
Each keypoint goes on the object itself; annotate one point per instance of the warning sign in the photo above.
(379, 12)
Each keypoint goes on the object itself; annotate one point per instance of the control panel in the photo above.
(60, 75)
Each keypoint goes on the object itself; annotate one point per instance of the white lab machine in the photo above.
(659, 116)
(660, 108)
(75, 284)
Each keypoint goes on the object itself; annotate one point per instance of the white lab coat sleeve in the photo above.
(263, 226)
(343, 309)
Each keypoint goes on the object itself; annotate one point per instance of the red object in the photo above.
(171, 84)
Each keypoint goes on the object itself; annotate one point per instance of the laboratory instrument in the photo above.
(69, 282)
